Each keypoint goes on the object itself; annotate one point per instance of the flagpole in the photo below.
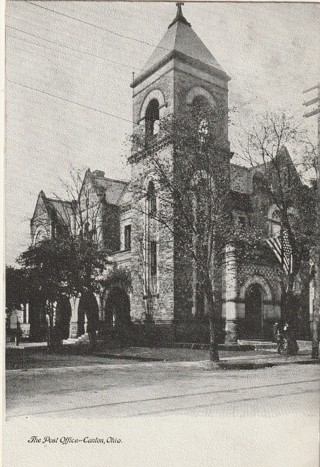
(282, 267)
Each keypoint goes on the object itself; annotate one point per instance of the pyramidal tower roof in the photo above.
(181, 38)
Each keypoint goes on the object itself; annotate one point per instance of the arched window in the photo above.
(200, 113)
(40, 235)
(152, 118)
(152, 200)
(274, 221)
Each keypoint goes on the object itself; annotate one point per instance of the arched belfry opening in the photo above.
(152, 118)
(253, 311)
(199, 104)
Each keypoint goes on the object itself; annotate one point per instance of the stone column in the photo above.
(231, 294)
(85, 324)
(27, 313)
(74, 302)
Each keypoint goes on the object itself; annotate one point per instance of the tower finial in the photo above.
(179, 16)
(179, 8)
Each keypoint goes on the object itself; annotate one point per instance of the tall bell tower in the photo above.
(180, 70)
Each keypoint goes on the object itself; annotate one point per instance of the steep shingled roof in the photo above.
(180, 37)
(62, 209)
(59, 210)
(113, 189)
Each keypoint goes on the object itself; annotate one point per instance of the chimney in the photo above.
(98, 173)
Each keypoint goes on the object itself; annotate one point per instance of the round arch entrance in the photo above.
(88, 307)
(117, 312)
(253, 311)
(37, 318)
(63, 317)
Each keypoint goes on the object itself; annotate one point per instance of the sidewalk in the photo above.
(32, 357)
(228, 359)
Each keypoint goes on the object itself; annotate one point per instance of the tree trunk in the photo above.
(214, 352)
(50, 328)
(316, 304)
(290, 316)
(315, 316)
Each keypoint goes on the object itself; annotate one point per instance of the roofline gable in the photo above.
(41, 197)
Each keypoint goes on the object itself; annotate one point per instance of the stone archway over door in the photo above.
(117, 311)
(88, 307)
(37, 318)
(63, 317)
(253, 311)
(250, 297)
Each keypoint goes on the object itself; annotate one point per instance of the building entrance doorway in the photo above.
(253, 310)
(37, 318)
(117, 312)
(88, 307)
(63, 316)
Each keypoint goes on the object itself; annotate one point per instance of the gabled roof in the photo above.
(112, 189)
(61, 209)
(56, 209)
(126, 197)
(282, 160)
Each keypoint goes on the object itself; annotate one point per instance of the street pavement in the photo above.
(159, 389)
(179, 413)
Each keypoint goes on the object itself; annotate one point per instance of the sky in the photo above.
(69, 67)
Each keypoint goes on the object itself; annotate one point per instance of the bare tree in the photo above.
(68, 259)
(194, 209)
(311, 164)
(277, 177)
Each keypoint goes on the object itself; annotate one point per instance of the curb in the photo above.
(226, 364)
(268, 364)
(128, 357)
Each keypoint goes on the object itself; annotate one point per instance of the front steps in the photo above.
(242, 345)
(258, 344)
(84, 339)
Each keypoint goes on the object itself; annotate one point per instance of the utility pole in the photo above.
(315, 311)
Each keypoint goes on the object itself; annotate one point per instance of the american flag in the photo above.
(281, 247)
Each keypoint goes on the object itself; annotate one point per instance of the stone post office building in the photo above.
(179, 71)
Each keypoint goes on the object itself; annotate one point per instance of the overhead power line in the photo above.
(70, 101)
(97, 27)
(42, 45)
(117, 89)
(71, 48)
(115, 81)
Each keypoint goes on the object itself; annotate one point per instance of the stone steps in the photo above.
(77, 340)
(240, 345)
